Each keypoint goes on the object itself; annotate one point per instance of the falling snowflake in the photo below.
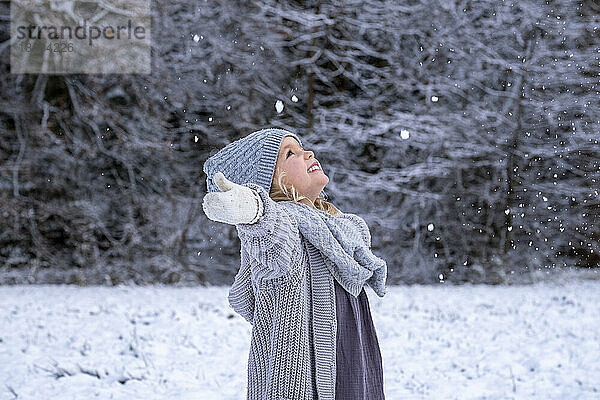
(279, 106)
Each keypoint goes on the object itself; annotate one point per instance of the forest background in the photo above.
(464, 132)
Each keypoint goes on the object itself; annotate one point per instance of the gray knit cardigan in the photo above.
(285, 289)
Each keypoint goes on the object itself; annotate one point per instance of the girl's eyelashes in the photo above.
(290, 151)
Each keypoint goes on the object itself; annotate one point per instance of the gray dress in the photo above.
(359, 370)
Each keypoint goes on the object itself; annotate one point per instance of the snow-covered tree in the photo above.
(465, 133)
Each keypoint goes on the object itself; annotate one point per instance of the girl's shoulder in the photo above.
(354, 217)
(360, 223)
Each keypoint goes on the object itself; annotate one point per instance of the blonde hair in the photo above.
(280, 191)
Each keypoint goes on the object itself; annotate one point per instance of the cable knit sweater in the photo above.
(285, 289)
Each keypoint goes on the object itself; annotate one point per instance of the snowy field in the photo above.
(437, 342)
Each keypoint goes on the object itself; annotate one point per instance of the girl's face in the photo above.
(296, 162)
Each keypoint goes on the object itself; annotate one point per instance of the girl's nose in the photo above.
(310, 154)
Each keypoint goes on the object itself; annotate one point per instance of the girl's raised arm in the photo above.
(273, 240)
(267, 232)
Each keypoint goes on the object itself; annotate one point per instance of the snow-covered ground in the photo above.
(438, 342)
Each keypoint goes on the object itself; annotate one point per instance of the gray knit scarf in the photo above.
(339, 239)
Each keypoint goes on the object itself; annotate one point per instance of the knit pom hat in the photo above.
(250, 159)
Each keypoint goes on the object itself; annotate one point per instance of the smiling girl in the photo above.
(304, 264)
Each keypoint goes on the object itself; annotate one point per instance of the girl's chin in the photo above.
(319, 179)
(319, 174)
(324, 180)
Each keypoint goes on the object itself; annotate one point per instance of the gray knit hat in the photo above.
(250, 159)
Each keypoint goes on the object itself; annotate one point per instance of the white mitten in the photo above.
(235, 203)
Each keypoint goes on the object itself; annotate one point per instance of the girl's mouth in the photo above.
(314, 168)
